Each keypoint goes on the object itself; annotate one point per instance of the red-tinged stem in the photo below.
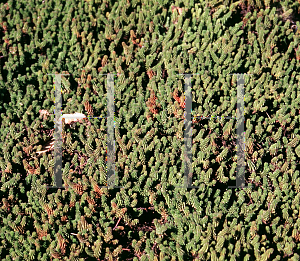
(117, 223)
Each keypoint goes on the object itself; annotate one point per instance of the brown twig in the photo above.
(117, 223)
(154, 245)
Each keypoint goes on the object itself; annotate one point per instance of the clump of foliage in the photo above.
(147, 44)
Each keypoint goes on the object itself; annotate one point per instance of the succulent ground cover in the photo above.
(147, 44)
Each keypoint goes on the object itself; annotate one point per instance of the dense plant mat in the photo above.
(147, 44)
